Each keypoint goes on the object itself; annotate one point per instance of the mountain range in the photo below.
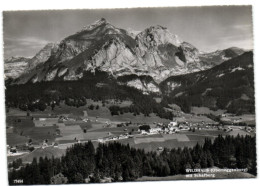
(103, 62)
(153, 52)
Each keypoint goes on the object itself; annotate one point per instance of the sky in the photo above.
(207, 28)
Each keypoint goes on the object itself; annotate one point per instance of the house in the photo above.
(184, 127)
(13, 150)
(155, 130)
(44, 144)
(236, 120)
(160, 148)
(249, 129)
(143, 132)
(172, 124)
(123, 136)
(63, 118)
(55, 145)
(8, 149)
(85, 120)
(166, 130)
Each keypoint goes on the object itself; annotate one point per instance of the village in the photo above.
(62, 131)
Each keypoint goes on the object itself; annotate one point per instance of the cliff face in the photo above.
(43, 55)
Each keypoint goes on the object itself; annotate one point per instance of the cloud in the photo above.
(27, 46)
(243, 27)
(240, 40)
(26, 42)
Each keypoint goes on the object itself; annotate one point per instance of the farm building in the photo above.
(172, 124)
(155, 130)
(9, 130)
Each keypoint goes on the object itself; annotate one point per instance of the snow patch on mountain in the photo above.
(173, 85)
(220, 75)
(237, 68)
(144, 87)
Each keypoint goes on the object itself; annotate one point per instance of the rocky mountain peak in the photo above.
(132, 33)
(157, 35)
(95, 24)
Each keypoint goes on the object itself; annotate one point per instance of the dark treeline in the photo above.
(98, 87)
(123, 163)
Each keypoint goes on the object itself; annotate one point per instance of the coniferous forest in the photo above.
(123, 163)
(98, 87)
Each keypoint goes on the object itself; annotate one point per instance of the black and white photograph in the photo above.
(129, 94)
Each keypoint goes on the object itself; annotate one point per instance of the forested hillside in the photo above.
(99, 86)
(229, 86)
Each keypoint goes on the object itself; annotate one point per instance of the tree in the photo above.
(30, 141)
(96, 177)
(145, 127)
(122, 162)
(78, 178)
(91, 107)
(59, 179)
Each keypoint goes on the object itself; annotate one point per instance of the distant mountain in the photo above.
(228, 86)
(154, 52)
(16, 59)
(15, 66)
(219, 56)
(132, 33)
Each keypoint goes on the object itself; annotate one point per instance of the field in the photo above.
(240, 132)
(39, 152)
(148, 140)
(97, 128)
(152, 146)
(153, 142)
(70, 132)
(25, 129)
(205, 110)
(197, 119)
(38, 133)
(245, 118)
(15, 139)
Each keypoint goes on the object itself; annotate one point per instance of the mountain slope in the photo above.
(228, 86)
(43, 55)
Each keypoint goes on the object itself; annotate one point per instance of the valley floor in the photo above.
(65, 126)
